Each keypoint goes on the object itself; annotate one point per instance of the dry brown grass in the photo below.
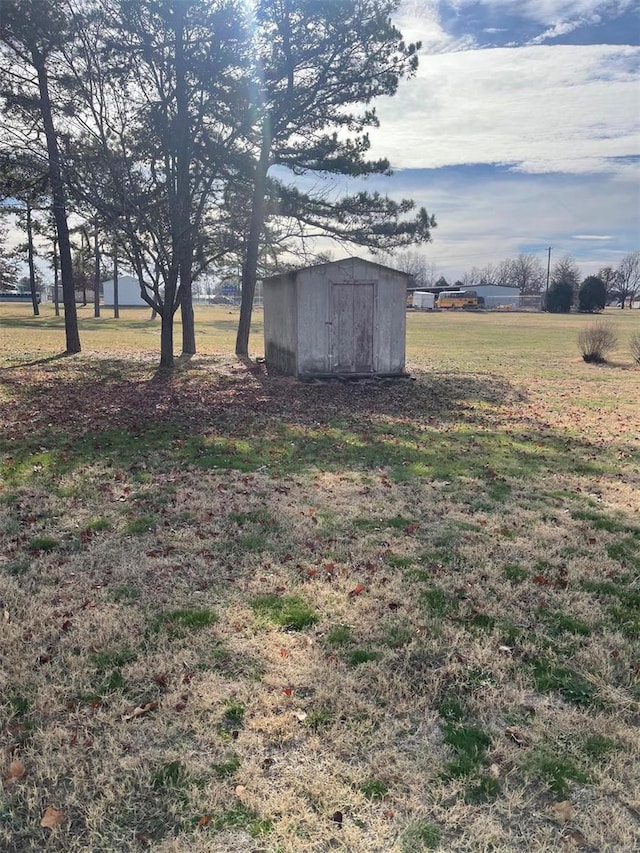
(469, 543)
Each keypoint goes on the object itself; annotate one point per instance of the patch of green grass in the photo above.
(16, 568)
(514, 573)
(450, 708)
(374, 789)
(469, 743)
(233, 665)
(395, 635)
(438, 603)
(138, 526)
(289, 612)
(233, 716)
(98, 524)
(499, 491)
(112, 658)
(481, 790)
(226, 768)
(558, 622)
(242, 817)
(20, 705)
(318, 719)
(596, 747)
(556, 771)
(603, 522)
(421, 836)
(170, 775)
(43, 543)
(341, 635)
(178, 623)
(625, 551)
(124, 592)
(481, 622)
(396, 561)
(573, 687)
(256, 516)
(360, 656)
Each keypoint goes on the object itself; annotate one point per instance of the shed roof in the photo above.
(294, 273)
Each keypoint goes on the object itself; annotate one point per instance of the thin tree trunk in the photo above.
(250, 265)
(56, 279)
(182, 225)
(116, 307)
(59, 210)
(32, 269)
(96, 279)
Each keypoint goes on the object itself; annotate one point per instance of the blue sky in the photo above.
(521, 129)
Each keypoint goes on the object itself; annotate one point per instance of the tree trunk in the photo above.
(56, 279)
(166, 338)
(59, 210)
(116, 307)
(32, 269)
(250, 265)
(188, 320)
(96, 279)
(182, 223)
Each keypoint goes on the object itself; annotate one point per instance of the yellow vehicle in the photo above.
(459, 299)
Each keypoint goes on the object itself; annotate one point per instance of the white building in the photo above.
(128, 292)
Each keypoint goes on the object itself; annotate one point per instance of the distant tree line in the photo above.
(567, 289)
(195, 135)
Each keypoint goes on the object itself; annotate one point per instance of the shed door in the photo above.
(352, 309)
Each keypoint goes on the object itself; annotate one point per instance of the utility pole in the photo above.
(546, 296)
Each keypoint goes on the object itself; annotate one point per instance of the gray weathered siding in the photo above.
(281, 326)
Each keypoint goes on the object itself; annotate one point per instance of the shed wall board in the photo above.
(313, 322)
(281, 326)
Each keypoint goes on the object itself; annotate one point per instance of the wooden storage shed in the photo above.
(342, 318)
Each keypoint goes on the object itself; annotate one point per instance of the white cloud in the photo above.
(561, 108)
(548, 12)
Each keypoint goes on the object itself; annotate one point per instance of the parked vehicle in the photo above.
(466, 299)
(424, 301)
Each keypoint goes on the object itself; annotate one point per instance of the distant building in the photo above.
(497, 295)
(128, 292)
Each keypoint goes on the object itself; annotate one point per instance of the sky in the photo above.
(520, 130)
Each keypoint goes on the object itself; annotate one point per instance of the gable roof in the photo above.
(341, 262)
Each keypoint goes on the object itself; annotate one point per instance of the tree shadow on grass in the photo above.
(233, 416)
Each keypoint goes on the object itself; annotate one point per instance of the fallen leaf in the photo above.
(516, 735)
(140, 710)
(52, 818)
(204, 820)
(15, 772)
(287, 691)
(356, 590)
(562, 811)
(337, 818)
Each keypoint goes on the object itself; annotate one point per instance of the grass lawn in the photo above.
(241, 613)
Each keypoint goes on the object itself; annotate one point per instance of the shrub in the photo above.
(592, 295)
(634, 345)
(560, 297)
(596, 341)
